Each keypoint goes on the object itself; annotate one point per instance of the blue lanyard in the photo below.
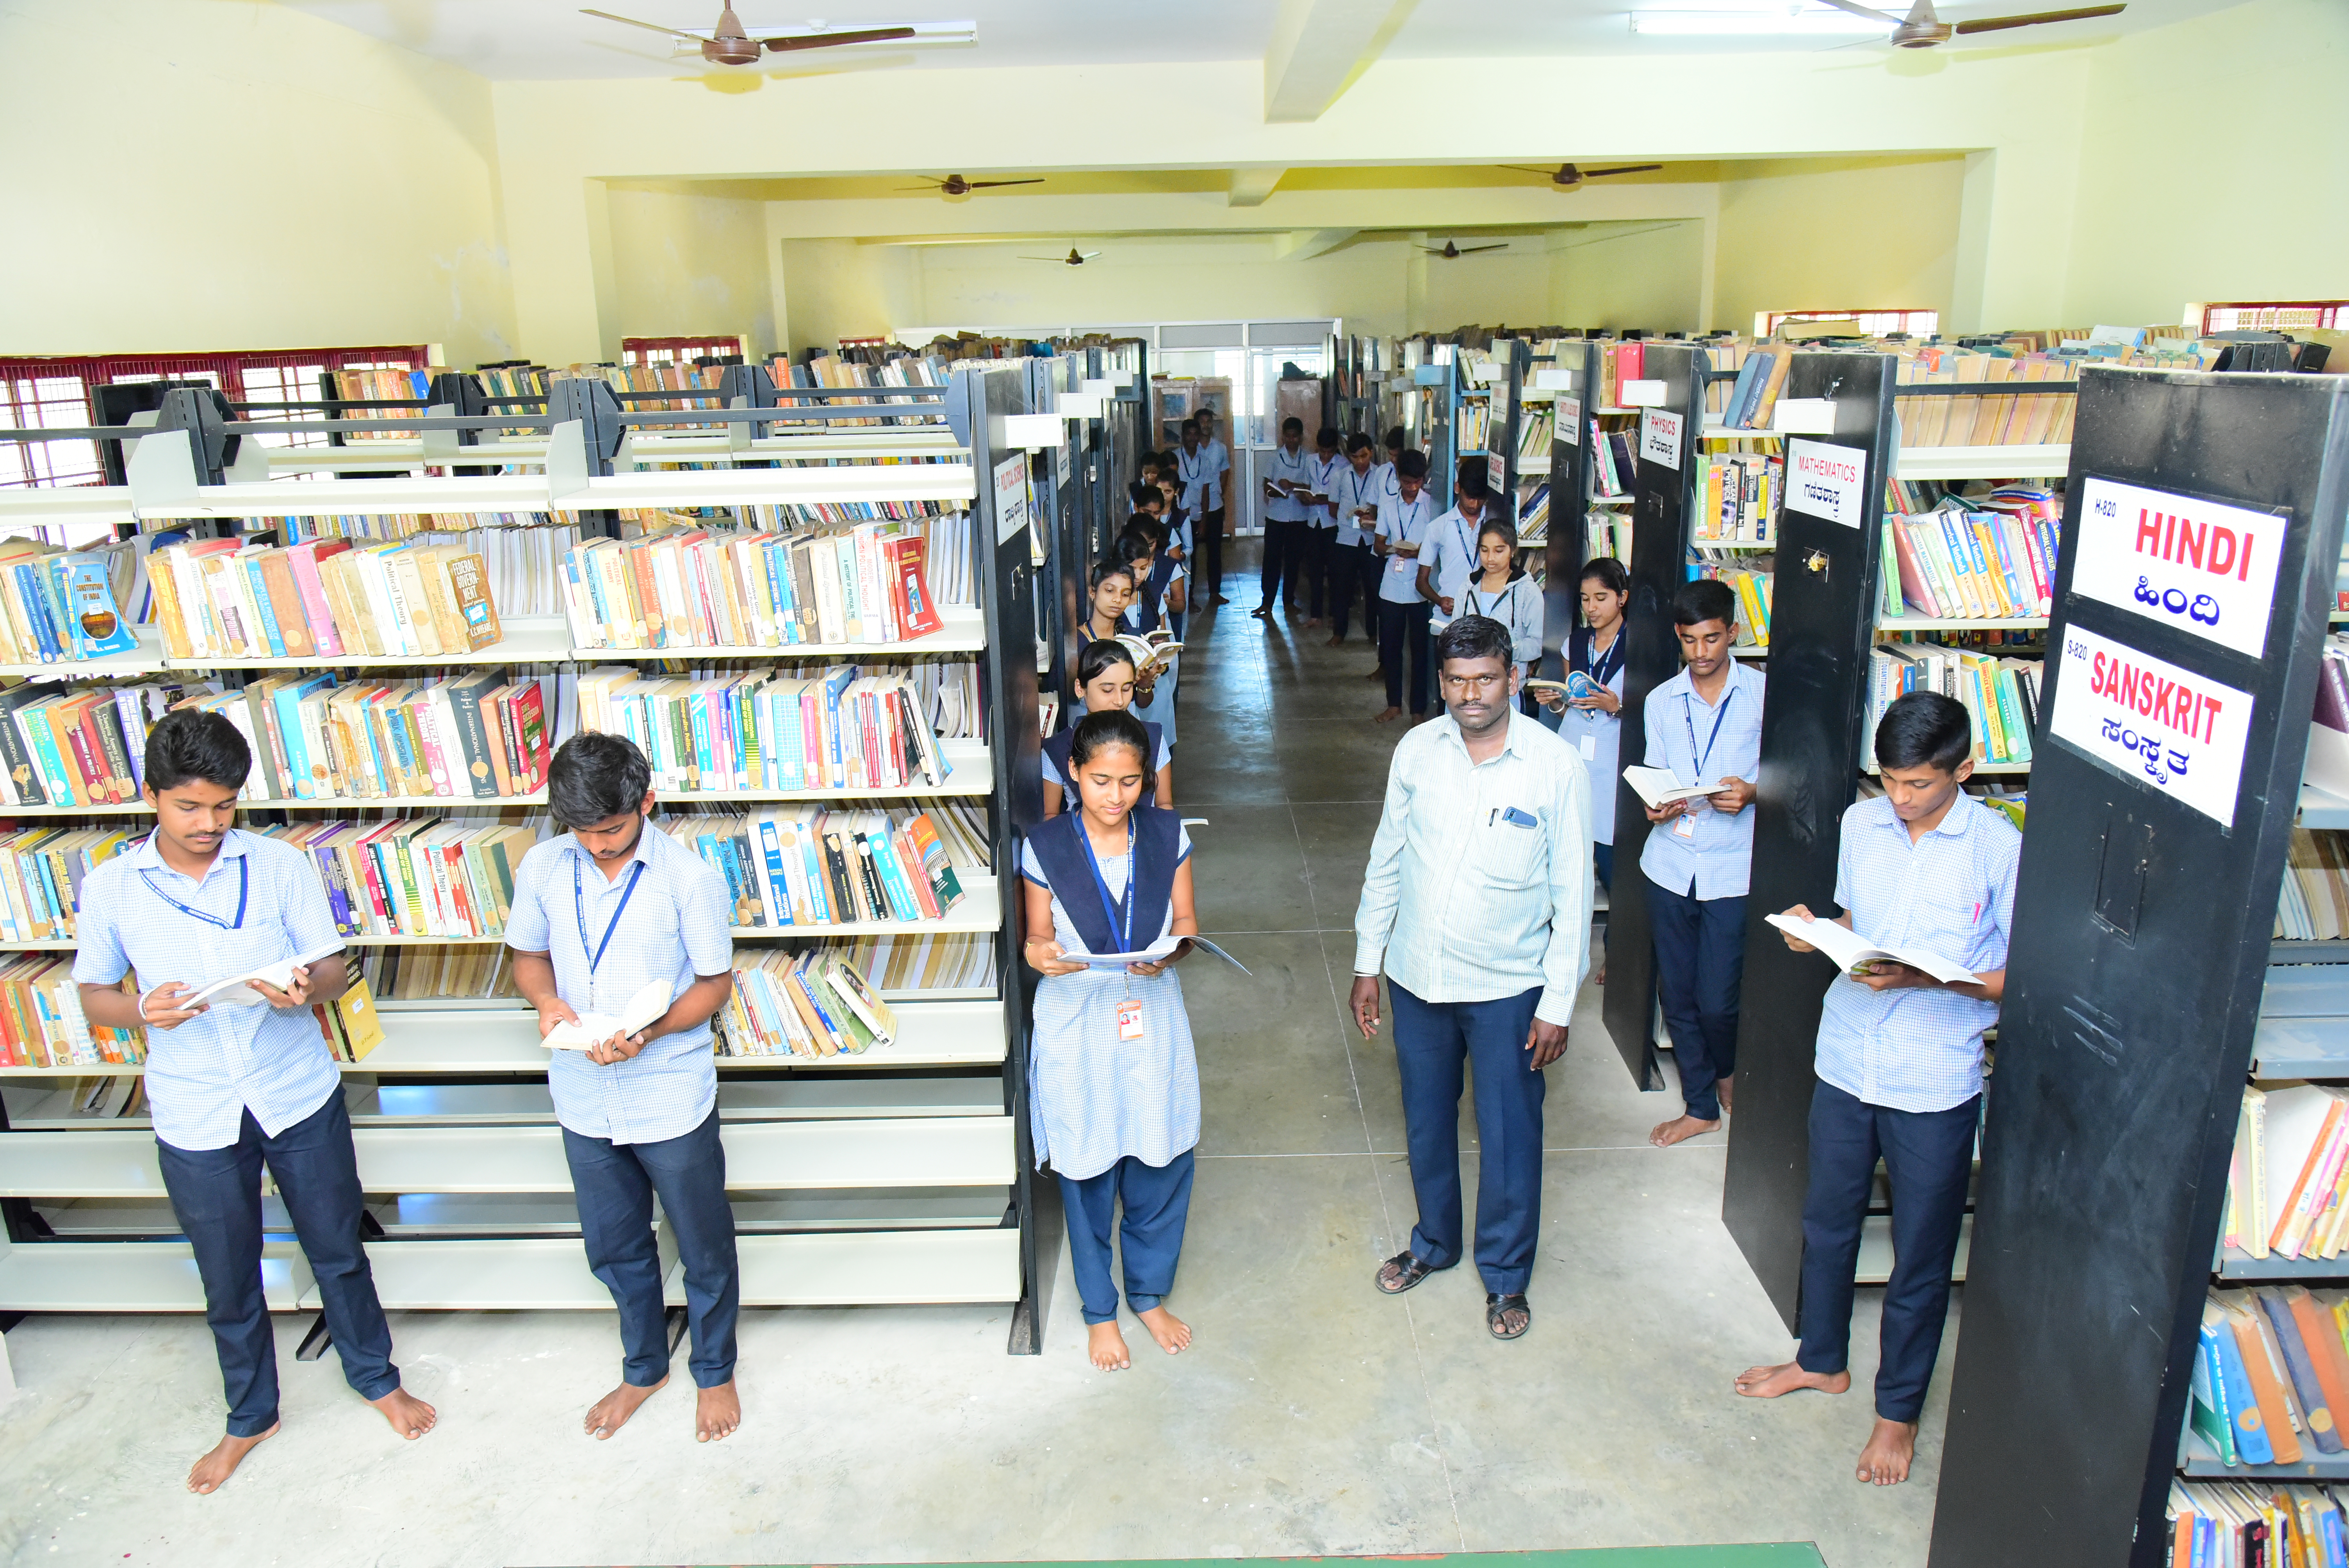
(1719, 714)
(1601, 667)
(243, 886)
(579, 908)
(1123, 929)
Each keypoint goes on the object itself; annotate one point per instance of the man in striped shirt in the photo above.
(613, 906)
(1923, 867)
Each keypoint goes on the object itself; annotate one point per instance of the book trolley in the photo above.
(899, 1175)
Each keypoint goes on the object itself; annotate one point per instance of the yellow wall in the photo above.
(233, 175)
(1650, 277)
(837, 288)
(683, 264)
(1875, 233)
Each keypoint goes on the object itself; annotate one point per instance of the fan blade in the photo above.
(1627, 169)
(1994, 23)
(1870, 12)
(827, 40)
(1472, 250)
(1526, 169)
(1061, 260)
(648, 27)
(991, 184)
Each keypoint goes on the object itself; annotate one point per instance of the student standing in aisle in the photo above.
(1402, 608)
(1593, 724)
(1477, 903)
(1105, 684)
(1217, 466)
(1704, 725)
(1450, 558)
(1321, 472)
(1354, 494)
(1113, 1083)
(1385, 486)
(1194, 479)
(1900, 1064)
(1286, 486)
(233, 1089)
(598, 914)
(1506, 592)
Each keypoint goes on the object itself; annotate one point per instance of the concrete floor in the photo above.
(1312, 1416)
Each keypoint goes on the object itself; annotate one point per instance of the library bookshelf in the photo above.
(894, 1176)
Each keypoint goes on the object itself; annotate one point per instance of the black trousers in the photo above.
(1928, 1159)
(615, 1184)
(1318, 543)
(1208, 536)
(1284, 563)
(1342, 571)
(1700, 966)
(1399, 624)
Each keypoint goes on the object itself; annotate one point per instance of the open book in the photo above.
(237, 991)
(1853, 952)
(594, 1028)
(1658, 784)
(1153, 655)
(1155, 952)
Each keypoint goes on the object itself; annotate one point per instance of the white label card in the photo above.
(1570, 419)
(2178, 731)
(2200, 565)
(1660, 437)
(1824, 480)
(1011, 496)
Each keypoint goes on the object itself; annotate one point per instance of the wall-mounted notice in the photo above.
(1570, 419)
(1824, 480)
(2200, 565)
(1660, 437)
(2178, 731)
(1011, 496)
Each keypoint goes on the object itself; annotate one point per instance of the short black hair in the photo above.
(1706, 599)
(1191, 424)
(1609, 573)
(1411, 466)
(595, 777)
(1327, 436)
(1108, 566)
(1924, 728)
(1471, 486)
(1112, 726)
(1141, 492)
(1142, 536)
(1396, 439)
(1358, 442)
(1099, 656)
(1496, 523)
(1472, 638)
(190, 743)
(1292, 423)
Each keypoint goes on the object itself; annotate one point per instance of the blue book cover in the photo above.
(837, 680)
(261, 603)
(819, 887)
(779, 589)
(298, 760)
(2235, 1386)
(697, 714)
(2321, 1429)
(770, 849)
(29, 593)
(52, 762)
(98, 624)
(2207, 1411)
(893, 876)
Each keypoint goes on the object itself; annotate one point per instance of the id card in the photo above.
(1590, 748)
(1129, 1019)
(1684, 825)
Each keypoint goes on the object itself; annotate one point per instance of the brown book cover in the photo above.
(447, 622)
(285, 603)
(2260, 1361)
(347, 598)
(167, 615)
(414, 599)
(644, 595)
(469, 577)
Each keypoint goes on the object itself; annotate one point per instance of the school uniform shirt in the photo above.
(1218, 464)
(1322, 474)
(1520, 607)
(1403, 523)
(258, 902)
(675, 925)
(1951, 893)
(1715, 858)
(1387, 483)
(1348, 491)
(1452, 552)
(1597, 736)
(1195, 479)
(1296, 468)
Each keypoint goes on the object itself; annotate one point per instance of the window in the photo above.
(1874, 323)
(28, 401)
(678, 350)
(2274, 316)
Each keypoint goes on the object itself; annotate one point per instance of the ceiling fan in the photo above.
(729, 44)
(1566, 176)
(1453, 252)
(956, 185)
(1075, 258)
(1920, 29)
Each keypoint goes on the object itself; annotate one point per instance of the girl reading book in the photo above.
(1506, 592)
(1591, 721)
(1105, 682)
(1113, 1084)
(1157, 606)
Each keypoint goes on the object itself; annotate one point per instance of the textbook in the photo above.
(1151, 954)
(594, 1028)
(1658, 784)
(1853, 952)
(238, 992)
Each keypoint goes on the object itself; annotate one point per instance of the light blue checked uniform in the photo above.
(1718, 860)
(1450, 548)
(1092, 1098)
(1952, 892)
(202, 1077)
(677, 925)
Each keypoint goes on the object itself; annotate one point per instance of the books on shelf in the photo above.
(941, 962)
(1753, 396)
(41, 1020)
(227, 600)
(349, 1024)
(417, 876)
(2289, 1177)
(459, 972)
(1533, 515)
(523, 550)
(811, 1004)
(1607, 532)
(41, 875)
(79, 745)
(1750, 628)
(1738, 496)
(2235, 1524)
(2313, 903)
(57, 605)
(1534, 432)
(2270, 1364)
(806, 865)
(1611, 468)
(1989, 419)
(377, 384)
(453, 971)
(1959, 562)
(2001, 694)
(1473, 433)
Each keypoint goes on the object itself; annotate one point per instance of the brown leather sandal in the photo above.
(1409, 1272)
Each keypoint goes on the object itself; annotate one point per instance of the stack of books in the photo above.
(947, 961)
(700, 588)
(1738, 496)
(2238, 1523)
(790, 866)
(1977, 565)
(455, 971)
(1991, 419)
(811, 1004)
(80, 745)
(225, 601)
(2313, 904)
(1753, 396)
(2270, 1367)
(41, 1020)
(373, 384)
(2288, 1185)
(849, 728)
(1612, 468)
(1475, 427)
(60, 606)
(1534, 434)
(1533, 517)
(349, 1024)
(1608, 533)
(473, 735)
(523, 550)
(2001, 694)
(41, 874)
(417, 876)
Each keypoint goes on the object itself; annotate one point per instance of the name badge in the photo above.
(1684, 825)
(1590, 748)
(1130, 1025)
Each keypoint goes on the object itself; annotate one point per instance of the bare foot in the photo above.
(1388, 715)
(1377, 675)
(1769, 1382)
(411, 1417)
(611, 1412)
(1174, 1335)
(1679, 1130)
(1312, 619)
(1728, 1099)
(1221, 600)
(207, 1474)
(1335, 642)
(1890, 1448)
(1106, 1346)
(716, 1412)
(1601, 978)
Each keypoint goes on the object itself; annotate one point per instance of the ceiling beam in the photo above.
(1250, 187)
(1317, 49)
(1304, 244)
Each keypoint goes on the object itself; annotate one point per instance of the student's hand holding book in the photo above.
(165, 1007)
(1734, 795)
(295, 993)
(622, 1046)
(1044, 957)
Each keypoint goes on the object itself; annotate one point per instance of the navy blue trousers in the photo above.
(1344, 571)
(615, 1184)
(216, 1196)
(1700, 963)
(1602, 856)
(1157, 1199)
(1400, 625)
(1928, 1159)
(1435, 1041)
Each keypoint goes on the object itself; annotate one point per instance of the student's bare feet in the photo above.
(411, 1417)
(611, 1412)
(1679, 1130)
(1377, 675)
(1174, 1335)
(1769, 1382)
(1723, 1087)
(1221, 600)
(716, 1412)
(208, 1474)
(1890, 1448)
(1388, 715)
(1106, 1347)
(1335, 642)
(1312, 619)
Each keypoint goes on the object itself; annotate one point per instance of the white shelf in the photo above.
(482, 1039)
(1981, 769)
(962, 630)
(67, 504)
(870, 1153)
(138, 1277)
(515, 1275)
(1533, 466)
(534, 493)
(860, 1267)
(2016, 462)
(112, 1162)
(406, 453)
(146, 661)
(1955, 623)
(2322, 809)
(1757, 652)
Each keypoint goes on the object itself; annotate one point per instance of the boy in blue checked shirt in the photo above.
(1899, 1062)
(597, 913)
(235, 1088)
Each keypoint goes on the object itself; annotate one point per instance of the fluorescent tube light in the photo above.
(1750, 24)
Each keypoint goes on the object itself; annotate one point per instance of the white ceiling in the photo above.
(549, 39)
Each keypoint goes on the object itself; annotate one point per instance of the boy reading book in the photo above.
(234, 1088)
(1900, 1063)
(598, 914)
